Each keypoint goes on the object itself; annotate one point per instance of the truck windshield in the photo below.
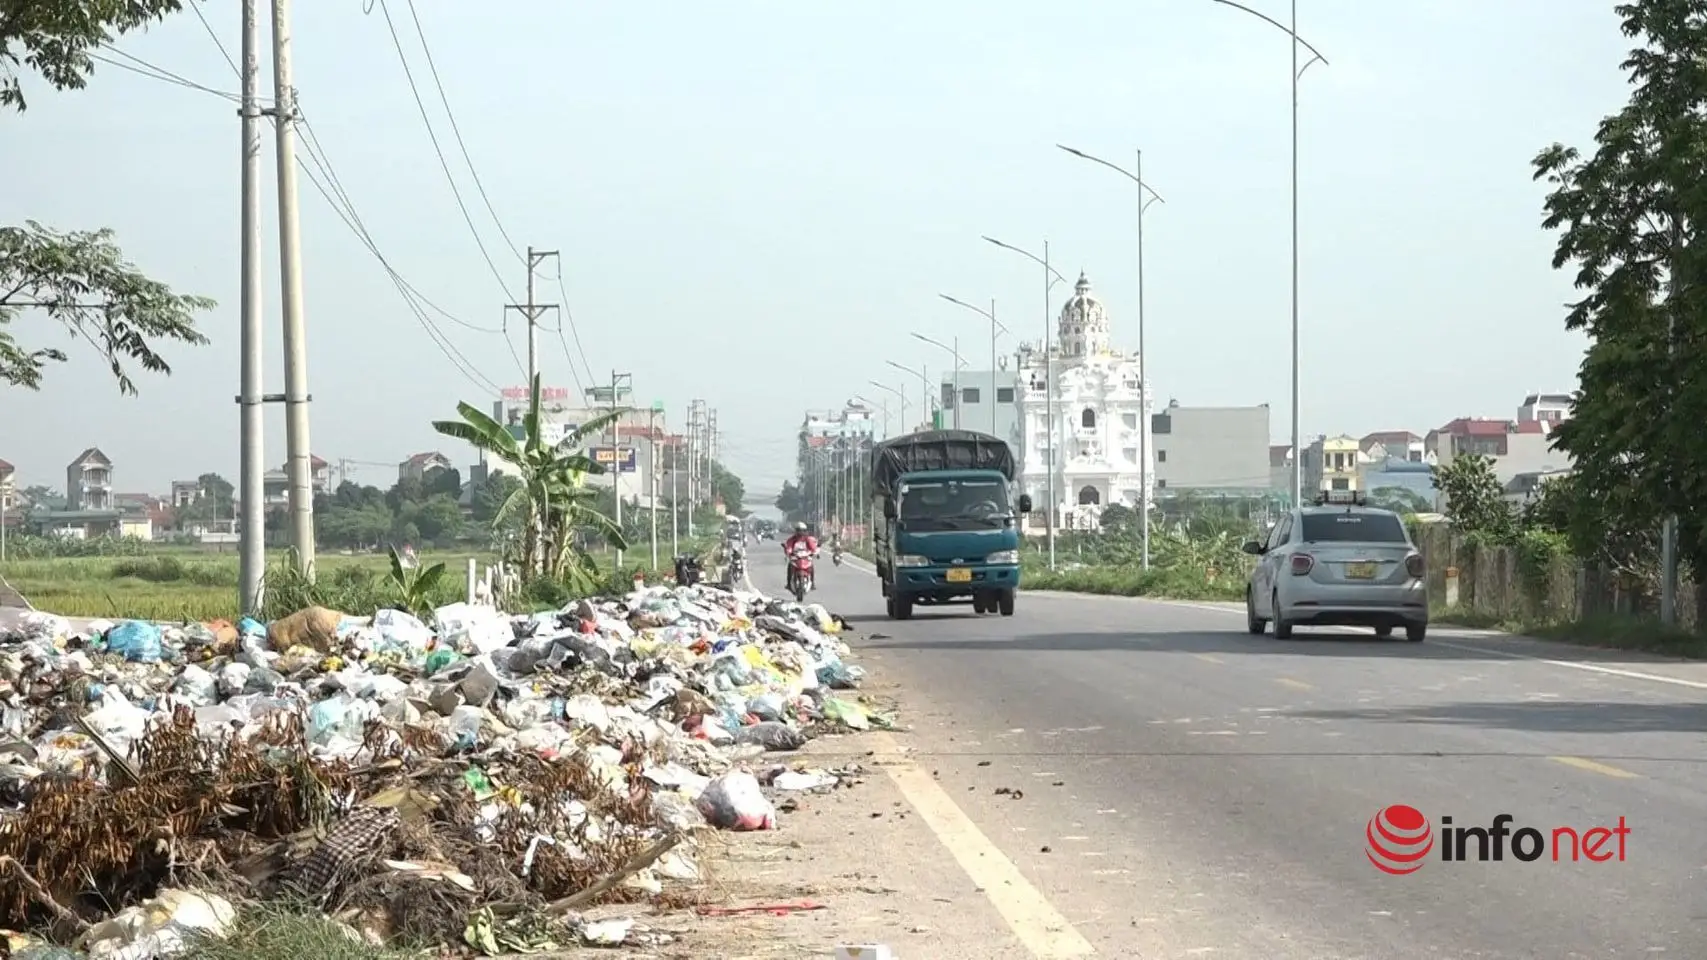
(956, 505)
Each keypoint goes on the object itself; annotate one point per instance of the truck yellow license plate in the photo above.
(1360, 571)
(959, 575)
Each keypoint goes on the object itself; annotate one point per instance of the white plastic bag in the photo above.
(734, 801)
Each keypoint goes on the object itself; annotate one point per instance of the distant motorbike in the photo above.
(689, 570)
(737, 565)
(836, 556)
(800, 571)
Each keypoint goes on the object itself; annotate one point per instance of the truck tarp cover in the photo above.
(938, 450)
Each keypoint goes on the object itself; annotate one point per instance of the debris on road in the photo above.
(473, 781)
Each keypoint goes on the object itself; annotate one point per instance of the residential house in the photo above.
(1280, 467)
(418, 466)
(141, 514)
(90, 510)
(1219, 450)
(1515, 446)
(1393, 444)
(89, 481)
(185, 492)
(1549, 408)
(275, 484)
(1525, 486)
(8, 486)
(1332, 463)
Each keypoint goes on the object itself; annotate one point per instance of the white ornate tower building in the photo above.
(1101, 412)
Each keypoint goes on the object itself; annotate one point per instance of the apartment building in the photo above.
(1514, 446)
(1224, 450)
(1333, 463)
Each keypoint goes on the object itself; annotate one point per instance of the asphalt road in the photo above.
(1188, 790)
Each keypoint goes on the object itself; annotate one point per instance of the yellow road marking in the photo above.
(1294, 684)
(1206, 658)
(1593, 767)
(1037, 924)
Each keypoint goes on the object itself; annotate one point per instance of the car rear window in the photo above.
(1353, 528)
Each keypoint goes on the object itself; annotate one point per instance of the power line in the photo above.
(214, 35)
(457, 132)
(339, 200)
(444, 164)
(569, 319)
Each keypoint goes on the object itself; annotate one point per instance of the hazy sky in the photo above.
(757, 201)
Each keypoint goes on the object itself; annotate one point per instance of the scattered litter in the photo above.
(472, 777)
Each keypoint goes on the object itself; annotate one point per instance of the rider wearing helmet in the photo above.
(801, 537)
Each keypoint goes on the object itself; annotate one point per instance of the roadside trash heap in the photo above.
(480, 780)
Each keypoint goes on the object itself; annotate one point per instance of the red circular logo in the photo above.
(1397, 839)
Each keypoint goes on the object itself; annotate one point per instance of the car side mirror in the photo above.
(1025, 503)
(1252, 547)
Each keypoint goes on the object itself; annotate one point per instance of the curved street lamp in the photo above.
(923, 373)
(1297, 73)
(954, 378)
(1144, 202)
(1051, 276)
(900, 395)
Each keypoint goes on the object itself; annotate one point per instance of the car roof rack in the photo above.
(1334, 498)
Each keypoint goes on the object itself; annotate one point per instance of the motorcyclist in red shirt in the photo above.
(801, 537)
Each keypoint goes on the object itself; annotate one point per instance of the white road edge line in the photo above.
(1045, 933)
(1466, 647)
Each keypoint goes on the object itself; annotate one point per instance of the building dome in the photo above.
(1084, 323)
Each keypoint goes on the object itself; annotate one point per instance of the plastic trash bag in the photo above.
(136, 640)
(734, 801)
(772, 735)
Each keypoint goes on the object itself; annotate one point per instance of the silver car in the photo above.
(1338, 563)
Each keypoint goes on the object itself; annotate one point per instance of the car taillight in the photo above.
(1302, 563)
(1414, 565)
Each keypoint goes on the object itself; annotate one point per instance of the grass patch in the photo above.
(1611, 632)
(1168, 583)
(281, 932)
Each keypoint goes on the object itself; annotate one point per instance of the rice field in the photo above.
(175, 585)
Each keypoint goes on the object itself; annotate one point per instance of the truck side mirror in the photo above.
(888, 509)
(1025, 503)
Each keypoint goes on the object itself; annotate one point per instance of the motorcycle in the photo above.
(836, 556)
(737, 565)
(800, 571)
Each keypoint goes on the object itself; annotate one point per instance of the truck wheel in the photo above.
(903, 608)
(1006, 603)
(978, 604)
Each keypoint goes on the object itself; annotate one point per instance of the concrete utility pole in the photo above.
(619, 388)
(252, 563)
(652, 477)
(299, 456)
(695, 412)
(710, 474)
(1668, 532)
(533, 311)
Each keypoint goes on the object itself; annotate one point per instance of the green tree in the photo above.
(1475, 500)
(554, 500)
(728, 488)
(80, 279)
(1626, 218)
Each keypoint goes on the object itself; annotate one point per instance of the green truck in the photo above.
(950, 523)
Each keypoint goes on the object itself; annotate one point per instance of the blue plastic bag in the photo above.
(136, 640)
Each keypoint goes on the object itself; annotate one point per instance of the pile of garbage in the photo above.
(479, 780)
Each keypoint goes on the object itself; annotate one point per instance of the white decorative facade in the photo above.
(1102, 420)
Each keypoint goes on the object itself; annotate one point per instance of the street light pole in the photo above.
(900, 395)
(1297, 74)
(1146, 196)
(923, 373)
(989, 315)
(1050, 277)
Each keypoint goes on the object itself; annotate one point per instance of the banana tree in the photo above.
(553, 499)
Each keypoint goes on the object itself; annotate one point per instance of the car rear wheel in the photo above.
(1282, 629)
(1253, 623)
(1384, 631)
(1415, 632)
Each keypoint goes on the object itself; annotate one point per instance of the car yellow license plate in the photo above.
(1360, 571)
(959, 575)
